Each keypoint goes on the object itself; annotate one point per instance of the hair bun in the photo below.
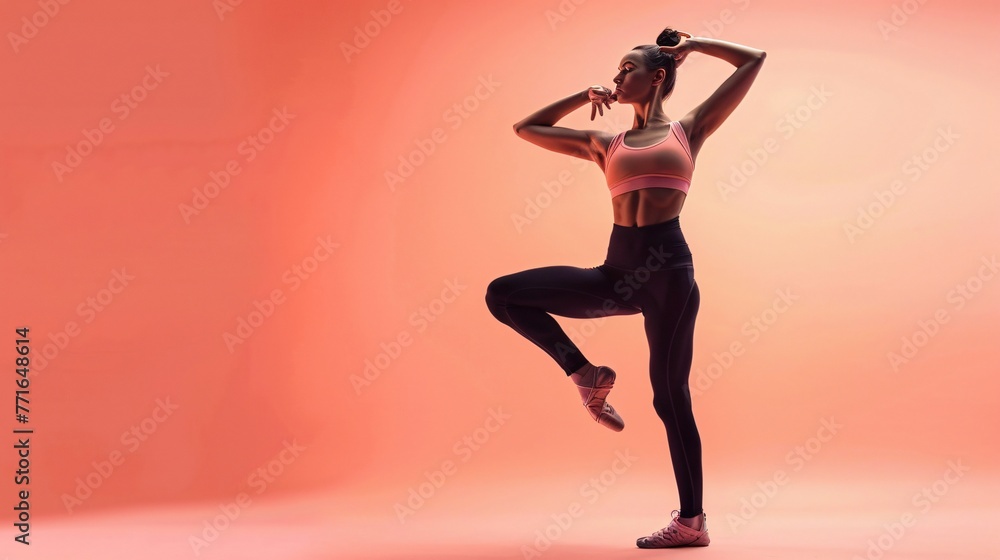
(668, 38)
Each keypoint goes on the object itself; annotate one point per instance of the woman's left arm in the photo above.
(707, 117)
(733, 53)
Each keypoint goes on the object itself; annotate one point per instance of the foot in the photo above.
(594, 384)
(679, 533)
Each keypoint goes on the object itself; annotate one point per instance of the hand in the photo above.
(680, 50)
(600, 97)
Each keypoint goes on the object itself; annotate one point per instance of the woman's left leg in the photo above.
(670, 307)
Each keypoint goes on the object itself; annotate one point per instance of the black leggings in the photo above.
(648, 270)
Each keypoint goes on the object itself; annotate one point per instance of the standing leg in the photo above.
(674, 300)
(525, 299)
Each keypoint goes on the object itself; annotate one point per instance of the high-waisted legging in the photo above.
(648, 270)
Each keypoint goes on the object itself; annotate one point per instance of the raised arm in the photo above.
(704, 119)
(538, 128)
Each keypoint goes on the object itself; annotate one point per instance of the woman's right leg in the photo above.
(525, 299)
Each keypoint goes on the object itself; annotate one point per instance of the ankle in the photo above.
(696, 522)
(585, 373)
(584, 368)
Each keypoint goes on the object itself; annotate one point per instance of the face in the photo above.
(634, 80)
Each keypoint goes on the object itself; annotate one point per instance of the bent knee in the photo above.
(498, 289)
(497, 292)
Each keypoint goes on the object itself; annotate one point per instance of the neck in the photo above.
(649, 113)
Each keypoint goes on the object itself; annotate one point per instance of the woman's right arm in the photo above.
(538, 128)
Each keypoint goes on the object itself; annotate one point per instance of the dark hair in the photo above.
(655, 59)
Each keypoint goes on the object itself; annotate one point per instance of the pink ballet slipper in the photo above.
(676, 535)
(594, 398)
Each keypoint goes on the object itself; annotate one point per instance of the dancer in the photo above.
(649, 267)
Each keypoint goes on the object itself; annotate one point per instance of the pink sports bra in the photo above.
(668, 164)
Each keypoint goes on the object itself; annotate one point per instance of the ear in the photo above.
(659, 76)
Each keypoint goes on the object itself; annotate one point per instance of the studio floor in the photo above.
(522, 520)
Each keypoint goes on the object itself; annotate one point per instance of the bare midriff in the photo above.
(646, 207)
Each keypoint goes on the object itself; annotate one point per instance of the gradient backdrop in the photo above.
(251, 241)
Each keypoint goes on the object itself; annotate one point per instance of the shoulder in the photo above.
(602, 140)
(603, 144)
(603, 137)
(687, 125)
(691, 133)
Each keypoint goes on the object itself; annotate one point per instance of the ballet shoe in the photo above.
(595, 399)
(676, 535)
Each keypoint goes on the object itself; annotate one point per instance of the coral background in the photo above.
(251, 241)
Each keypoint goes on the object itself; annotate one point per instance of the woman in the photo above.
(649, 268)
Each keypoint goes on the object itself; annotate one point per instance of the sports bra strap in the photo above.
(618, 139)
